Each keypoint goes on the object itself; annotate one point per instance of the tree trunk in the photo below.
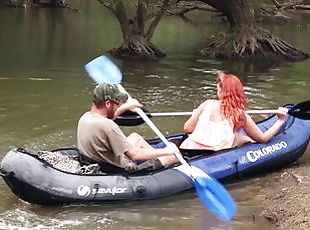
(246, 38)
(137, 43)
(137, 47)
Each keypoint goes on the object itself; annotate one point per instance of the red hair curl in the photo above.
(232, 97)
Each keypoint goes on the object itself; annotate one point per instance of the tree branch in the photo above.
(214, 3)
(187, 10)
(160, 14)
(294, 5)
(297, 7)
(141, 15)
(105, 4)
(277, 4)
(121, 16)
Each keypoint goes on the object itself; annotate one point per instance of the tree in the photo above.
(139, 29)
(246, 38)
(48, 3)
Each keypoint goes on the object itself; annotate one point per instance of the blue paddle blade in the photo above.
(215, 197)
(103, 70)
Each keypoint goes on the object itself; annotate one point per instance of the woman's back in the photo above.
(213, 125)
(212, 131)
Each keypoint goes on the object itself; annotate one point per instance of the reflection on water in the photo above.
(133, 215)
(44, 90)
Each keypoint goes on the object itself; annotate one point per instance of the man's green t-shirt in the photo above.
(101, 139)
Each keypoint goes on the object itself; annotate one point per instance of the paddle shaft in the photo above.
(156, 130)
(170, 114)
(300, 110)
(211, 193)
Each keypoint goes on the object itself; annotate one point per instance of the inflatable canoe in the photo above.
(36, 181)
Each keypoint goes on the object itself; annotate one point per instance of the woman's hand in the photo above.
(282, 113)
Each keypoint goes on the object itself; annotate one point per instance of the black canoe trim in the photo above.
(66, 151)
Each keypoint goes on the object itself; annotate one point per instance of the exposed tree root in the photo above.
(291, 5)
(272, 15)
(252, 44)
(138, 48)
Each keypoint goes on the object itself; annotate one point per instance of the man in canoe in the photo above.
(100, 140)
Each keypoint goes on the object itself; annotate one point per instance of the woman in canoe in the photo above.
(214, 124)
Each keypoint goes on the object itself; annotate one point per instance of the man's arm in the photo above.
(137, 153)
(130, 104)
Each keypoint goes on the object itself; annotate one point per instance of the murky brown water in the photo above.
(44, 89)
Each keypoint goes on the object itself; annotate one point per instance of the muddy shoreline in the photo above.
(287, 198)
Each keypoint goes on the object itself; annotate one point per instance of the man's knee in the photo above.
(134, 136)
(135, 139)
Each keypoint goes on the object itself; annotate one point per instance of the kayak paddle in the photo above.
(300, 110)
(211, 193)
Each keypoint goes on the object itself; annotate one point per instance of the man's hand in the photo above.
(131, 104)
(172, 148)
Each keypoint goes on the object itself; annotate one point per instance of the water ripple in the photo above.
(5, 78)
(39, 79)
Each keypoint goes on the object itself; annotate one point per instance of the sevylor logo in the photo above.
(85, 191)
(254, 155)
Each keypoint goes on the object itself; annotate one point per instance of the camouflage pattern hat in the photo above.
(105, 91)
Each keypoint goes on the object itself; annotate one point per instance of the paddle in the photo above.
(300, 110)
(212, 194)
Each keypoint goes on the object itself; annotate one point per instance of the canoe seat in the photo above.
(191, 154)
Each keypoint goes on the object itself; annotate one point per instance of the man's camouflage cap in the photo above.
(105, 91)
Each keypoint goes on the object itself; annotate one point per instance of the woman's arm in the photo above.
(256, 134)
(191, 123)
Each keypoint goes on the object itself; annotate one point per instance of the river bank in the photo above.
(287, 197)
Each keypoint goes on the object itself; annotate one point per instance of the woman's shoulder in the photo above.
(209, 101)
(206, 105)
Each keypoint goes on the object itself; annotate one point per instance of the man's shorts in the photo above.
(131, 167)
(146, 166)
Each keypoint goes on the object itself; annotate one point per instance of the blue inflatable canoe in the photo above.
(36, 181)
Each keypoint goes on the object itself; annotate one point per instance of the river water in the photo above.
(44, 90)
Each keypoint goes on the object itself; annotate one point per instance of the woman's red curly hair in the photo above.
(232, 97)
